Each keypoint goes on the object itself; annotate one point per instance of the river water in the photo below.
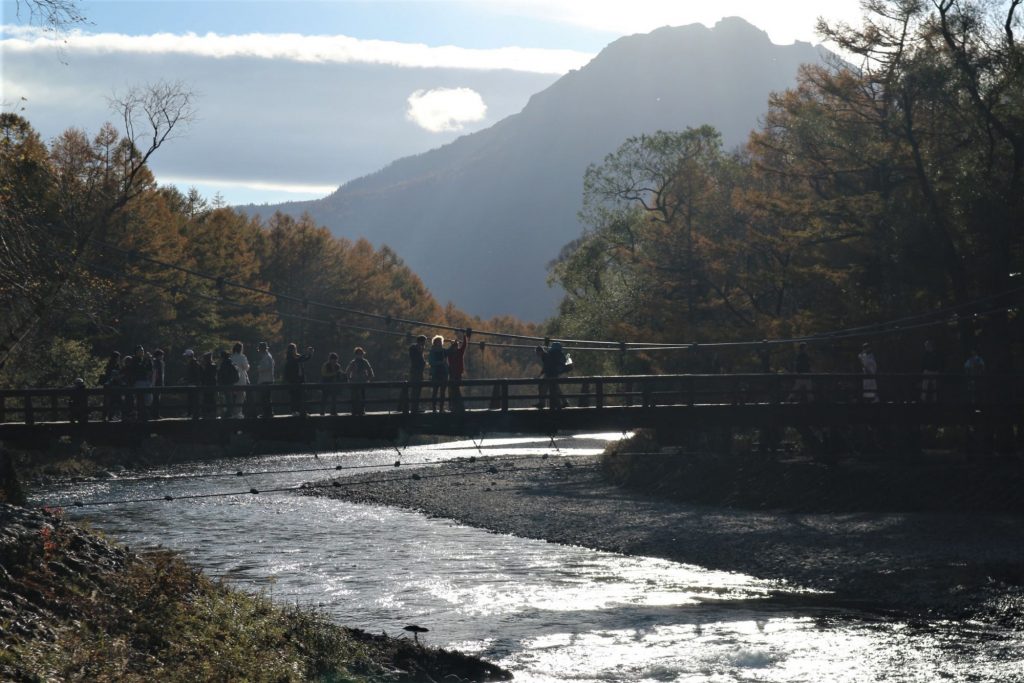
(545, 611)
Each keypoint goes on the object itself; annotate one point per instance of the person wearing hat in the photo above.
(78, 403)
(552, 365)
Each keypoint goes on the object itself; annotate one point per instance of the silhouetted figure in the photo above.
(111, 382)
(227, 379)
(417, 365)
(330, 376)
(159, 377)
(208, 379)
(295, 376)
(456, 368)
(78, 403)
(554, 364)
(192, 376)
(438, 361)
(141, 374)
(931, 367)
(358, 373)
(764, 355)
(868, 368)
(803, 387)
(974, 366)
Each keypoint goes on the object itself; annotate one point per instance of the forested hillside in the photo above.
(95, 257)
(868, 194)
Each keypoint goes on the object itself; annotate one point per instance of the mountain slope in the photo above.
(480, 218)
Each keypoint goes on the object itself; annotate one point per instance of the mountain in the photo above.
(480, 218)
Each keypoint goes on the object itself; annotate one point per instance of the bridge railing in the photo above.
(113, 403)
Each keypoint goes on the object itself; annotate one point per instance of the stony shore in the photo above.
(939, 564)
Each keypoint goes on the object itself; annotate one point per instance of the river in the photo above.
(545, 611)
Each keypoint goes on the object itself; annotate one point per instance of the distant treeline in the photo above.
(869, 193)
(86, 234)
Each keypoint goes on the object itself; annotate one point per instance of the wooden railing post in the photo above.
(30, 417)
(3, 409)
(504, 397)
(599, 394)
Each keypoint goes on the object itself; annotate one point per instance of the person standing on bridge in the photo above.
(456, 352)
(208, 379)
(974, 366)
(553, 364)
(416, 367)
(227, 379)
(931, 367)
(358, 372)
(438, 360)
(159, 375)
(242, 365)
(295, 376)
(192, 377)
(111, 381)
(803, 389)
(869, 368)
(264, 378)
(142, 377)
(330, 376)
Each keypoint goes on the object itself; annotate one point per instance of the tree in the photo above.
(105, 181)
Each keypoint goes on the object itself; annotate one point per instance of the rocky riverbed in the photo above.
(937, 564)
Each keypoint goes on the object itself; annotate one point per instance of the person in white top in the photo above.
(264, 375)
(241, 364)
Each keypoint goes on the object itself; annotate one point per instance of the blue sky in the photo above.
(296, 98)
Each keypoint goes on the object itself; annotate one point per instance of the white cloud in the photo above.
(445, 109)
(289, 188)
(337, 49)
(783, 21)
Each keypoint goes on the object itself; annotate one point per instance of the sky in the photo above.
(297, 97)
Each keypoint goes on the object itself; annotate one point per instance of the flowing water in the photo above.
(547, 612)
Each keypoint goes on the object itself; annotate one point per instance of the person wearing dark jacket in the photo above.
(192, 377)
(417, 364)
(552, 365)
(208, 379)
(158, 380)
(141, 375)
(456, 368)
(931, 367)
(295, 376)
(111, 379)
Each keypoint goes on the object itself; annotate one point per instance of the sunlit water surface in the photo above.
(547, 612)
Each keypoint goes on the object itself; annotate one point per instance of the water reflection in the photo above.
(548, 612)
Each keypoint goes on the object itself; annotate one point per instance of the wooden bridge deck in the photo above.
(35, 417)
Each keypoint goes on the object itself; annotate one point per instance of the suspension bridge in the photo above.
(385, 410)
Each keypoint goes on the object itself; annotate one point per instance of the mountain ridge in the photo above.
(479, 218)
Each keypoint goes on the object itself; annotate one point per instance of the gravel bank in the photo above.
(941, 564)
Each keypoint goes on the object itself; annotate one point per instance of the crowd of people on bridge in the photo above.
(235, 386)
(224, 377)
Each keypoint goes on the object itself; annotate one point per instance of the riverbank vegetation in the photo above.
(872, 192)
(76, 607)
(886, 480)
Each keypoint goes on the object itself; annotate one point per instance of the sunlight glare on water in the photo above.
(547, 612)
